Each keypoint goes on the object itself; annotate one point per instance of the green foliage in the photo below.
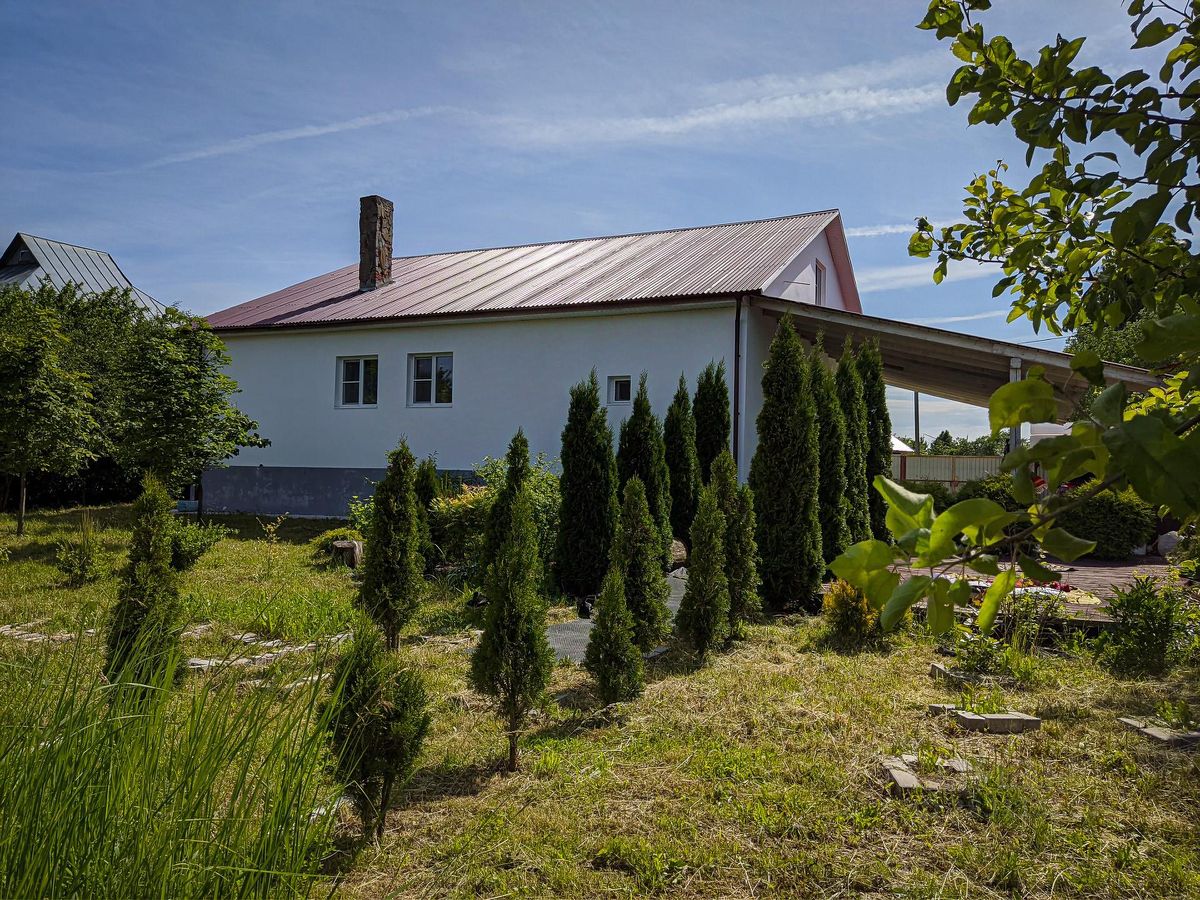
(711, 406)
(544, 495)
(636, 553)
(191, 540)
(879, 432)
(378, 718)
(1118, 522)
(322, 545)
(429, 484)
(854, 414)
(703, 619)
(997, 488)
(831, 436)
(588, 518)
(359, 513)
(456, 524)
(1151, 622)
(613, 656)
(849, 618)
(943, 497)
(946, 444)
(784, 476)
(144, 625)
(513, 660)
(78, 557)
(683, 462)
(392, 570)
(516, 471)
(1177, 715)
(641, 452)
(741, 552)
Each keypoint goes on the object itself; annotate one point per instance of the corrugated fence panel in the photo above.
(951, 470)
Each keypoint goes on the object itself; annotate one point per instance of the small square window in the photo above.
(432, 379)
(620, 388)
(358, 381)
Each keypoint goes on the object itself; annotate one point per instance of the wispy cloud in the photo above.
(879, 230)
(891, 278)
(283, 135)
(973, 317)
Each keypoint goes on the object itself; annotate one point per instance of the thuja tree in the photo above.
(378, 718)
(854, 415)
(784, 476)
(1097, 233)
(741, 552)
(145, 623)
(683, 464)
(588, 514)
(641, 453)
(513, 660)
(879, 432)
(703, 620)
(712, 416)
(613, 657)
(831, 438)
(499, 518)
(47, 423)
(636, 554)
(392, 572)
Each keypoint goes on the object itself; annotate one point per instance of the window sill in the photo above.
(430, 405)
(356, 406)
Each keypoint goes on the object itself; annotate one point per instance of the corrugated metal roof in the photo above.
(687, 262)
(92, 270)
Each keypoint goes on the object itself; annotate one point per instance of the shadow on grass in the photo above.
(443, 781)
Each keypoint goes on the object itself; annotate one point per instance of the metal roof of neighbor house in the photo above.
(29, 259)
(686, 262)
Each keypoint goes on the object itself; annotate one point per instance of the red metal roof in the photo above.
(687, 262)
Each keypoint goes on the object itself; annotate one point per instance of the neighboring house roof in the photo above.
(584, 273)
(29, 259)
(898, 446)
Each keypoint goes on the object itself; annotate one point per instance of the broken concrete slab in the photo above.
(996, 723)
(941, 709)
(1172, 738)
(903, 779)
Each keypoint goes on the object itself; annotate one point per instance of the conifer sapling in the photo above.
(613, 657)
(879, 434)
(500, 512)
(831, 435)
(641, 453)
(679, 436)
(741, 566)
(854, 412)
(703, 619)
(636, 554)
(711, 409)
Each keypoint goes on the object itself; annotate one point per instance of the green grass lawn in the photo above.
(756, 776)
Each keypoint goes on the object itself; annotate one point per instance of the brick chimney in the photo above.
(375, 242)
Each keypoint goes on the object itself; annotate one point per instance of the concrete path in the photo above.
(570, 639)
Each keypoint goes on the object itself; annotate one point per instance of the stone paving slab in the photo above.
(569, 639)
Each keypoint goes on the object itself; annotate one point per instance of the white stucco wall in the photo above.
(797, 281)
(506, 374)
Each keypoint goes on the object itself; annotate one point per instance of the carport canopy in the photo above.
(947, 364)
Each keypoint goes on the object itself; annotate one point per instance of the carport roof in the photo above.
(943, 363)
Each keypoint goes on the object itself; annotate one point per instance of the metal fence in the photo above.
(950, 470)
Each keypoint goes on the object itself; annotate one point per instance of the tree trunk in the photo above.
(512, 749)
(384, 800)
(392, 634)
(21, 508)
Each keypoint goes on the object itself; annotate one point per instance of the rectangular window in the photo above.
(358, 381)
(819, 284)
(432, 379)
(620, 388)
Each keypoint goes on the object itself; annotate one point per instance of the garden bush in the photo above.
(613, 658)
(848, 617)
(322, 544)
(1152, 624)
(943, 497)
(997, 488)
(457, 522)
(78, 557)
(542, 488)
(1117, 522)
(191, 540)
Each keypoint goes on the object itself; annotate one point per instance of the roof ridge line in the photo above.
(607, 237)
(64, 243)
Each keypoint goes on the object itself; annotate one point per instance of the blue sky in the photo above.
(218, 150)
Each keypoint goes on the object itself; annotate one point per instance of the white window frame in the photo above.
(340, 381)
(612, 390)
(412, 380)
(820, 283)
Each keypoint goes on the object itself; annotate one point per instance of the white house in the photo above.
(455, 351)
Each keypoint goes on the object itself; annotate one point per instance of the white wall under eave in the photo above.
(507, 373)
(796, 281)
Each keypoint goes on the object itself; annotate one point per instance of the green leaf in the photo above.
(1154, 32)
(1088, 364)
(1109, 407)
(987, 564)
(862, 559)
(1028, 400)
(970, 516)
(939, 614)
(1161, 467)
(908, 512)
(1169, 337)
(1001, 587)
(880, 585)
(1033, 568)
(1061, 543)
(902, 600)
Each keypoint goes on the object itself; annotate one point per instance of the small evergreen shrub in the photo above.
(191, 540)
(499, 516)
(703, 619)
(513, 661)
(378, 718)
(943, 497)
(711, 408)
(641, 453)
(1117, 522)
(636, 553)
(1150, 632)
(79, 557)
(613, 658)
(879, 433)
(741, 552)
(854, 412)
(848, 616)
(457, 523)
(322, 545)
(683, 463)
(832, 488)
(393, 568)
(545, 497)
